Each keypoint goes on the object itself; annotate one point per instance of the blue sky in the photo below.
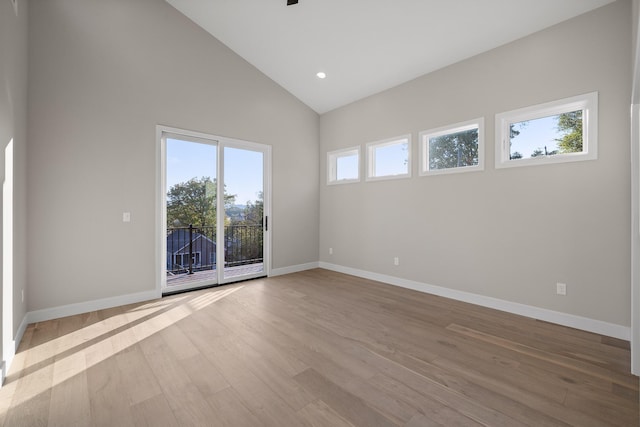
(243, 168)
(391, 159)
(536, 134)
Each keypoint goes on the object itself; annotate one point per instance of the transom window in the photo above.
(454, 148)
(389, 159)
(554, 132)
(343, 166)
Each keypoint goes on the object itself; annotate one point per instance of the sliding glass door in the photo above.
(244, 222)
(214, 226)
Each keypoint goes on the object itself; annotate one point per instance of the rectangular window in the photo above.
(389, 159)
(454, 148)
(554, 132)
(343, 166)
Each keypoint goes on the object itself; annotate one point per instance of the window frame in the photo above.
(588, 103)
(332, 165)
(425, 135)
(370, 154)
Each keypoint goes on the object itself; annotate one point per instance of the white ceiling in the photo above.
(366, 46)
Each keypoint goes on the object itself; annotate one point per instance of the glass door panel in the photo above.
(191, 213)
(244, 220)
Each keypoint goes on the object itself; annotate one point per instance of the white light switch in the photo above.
(126, 216)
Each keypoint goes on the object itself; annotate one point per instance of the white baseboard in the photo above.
(564, 319)
(6, 365)
(294, 268)
(88, 306)
(20, 332)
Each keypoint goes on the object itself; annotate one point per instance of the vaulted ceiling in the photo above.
(367, 46)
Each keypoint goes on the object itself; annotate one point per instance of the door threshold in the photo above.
(214, 285)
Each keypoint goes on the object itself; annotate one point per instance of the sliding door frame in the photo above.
(162, 132)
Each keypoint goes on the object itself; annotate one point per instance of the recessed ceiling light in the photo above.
(321, 75)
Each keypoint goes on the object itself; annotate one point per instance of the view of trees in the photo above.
(454, 150)
(194, 202)
(513, 132)
(569, 128)
(570, 124)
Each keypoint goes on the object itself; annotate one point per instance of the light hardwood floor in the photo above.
(315, 348)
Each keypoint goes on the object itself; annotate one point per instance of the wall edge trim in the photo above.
(293, 269)
(88, 306)
(557, 317)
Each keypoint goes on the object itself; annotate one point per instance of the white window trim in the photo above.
(424, 137)
(587, 102)
(371, 146)
(332, 162)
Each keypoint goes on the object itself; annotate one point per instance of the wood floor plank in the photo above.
(422, 421)
(153, 412)
(430, 409)
(315, 348)
(189, 406)
(70, 405)
(108, 401)
(347, 405)
(139, 382)
(582, 366)
(319, 414)
(230, 411)
(255, 394)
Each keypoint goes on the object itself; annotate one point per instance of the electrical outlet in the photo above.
(561, 288)
(396, 261)
(330, 251)
(126, 216)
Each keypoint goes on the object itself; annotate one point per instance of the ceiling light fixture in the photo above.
(321, 75)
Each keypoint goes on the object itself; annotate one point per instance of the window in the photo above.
(454, 148)
(561, 131)
(343, 166)
(183, 259)
(389, 159)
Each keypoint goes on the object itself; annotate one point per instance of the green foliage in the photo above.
(570, 124)
(254, 212)
(247, 232)
(194, 202)
(513, 132)
(454, 150)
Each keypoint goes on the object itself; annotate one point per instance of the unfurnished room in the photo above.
(320, 213)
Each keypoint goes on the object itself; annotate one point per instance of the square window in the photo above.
(343, 166)
(389, 159)
(555, 132)
(454, 148)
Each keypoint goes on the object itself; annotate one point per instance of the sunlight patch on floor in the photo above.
(77, 362)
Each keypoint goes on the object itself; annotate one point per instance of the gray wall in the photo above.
(509, 233)
(102, 75)
(13, 125)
